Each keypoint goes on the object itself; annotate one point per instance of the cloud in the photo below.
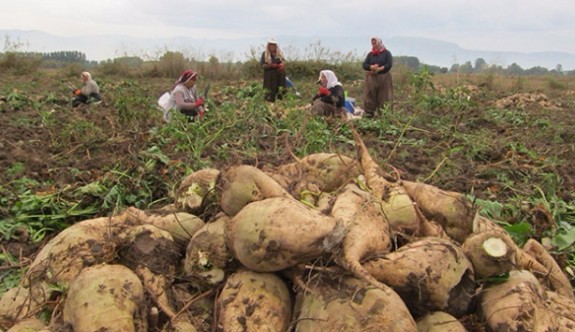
(511, 24)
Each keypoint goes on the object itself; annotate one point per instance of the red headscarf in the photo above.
(186, 76)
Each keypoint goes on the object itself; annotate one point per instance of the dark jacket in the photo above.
(383, 59)
(275, 60)
(336, 97)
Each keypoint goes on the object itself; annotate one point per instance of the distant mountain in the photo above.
(445, 54)
(428, 51)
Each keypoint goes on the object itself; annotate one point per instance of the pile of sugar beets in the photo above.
(324, 243)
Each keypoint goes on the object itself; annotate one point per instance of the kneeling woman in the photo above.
(184, 96)
(89, 93)
(330, 99)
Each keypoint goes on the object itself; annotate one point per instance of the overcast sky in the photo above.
(491, 25)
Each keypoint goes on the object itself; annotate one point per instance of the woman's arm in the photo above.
(387, 60)
(367, 62)
(338, 95)
(188, 108)
(89, 88)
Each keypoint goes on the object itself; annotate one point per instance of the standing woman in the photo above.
(184, 96)
(378, 87)
(273, 64)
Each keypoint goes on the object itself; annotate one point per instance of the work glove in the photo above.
(199, 102)
(323, 91)
(77, 92)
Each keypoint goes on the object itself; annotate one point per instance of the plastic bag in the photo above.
(164, 103)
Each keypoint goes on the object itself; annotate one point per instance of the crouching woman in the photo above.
(330, 99)
(184, 96)
(89, 93)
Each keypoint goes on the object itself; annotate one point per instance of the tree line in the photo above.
(481, 66)
(31, 60)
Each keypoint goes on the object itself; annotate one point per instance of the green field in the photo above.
(508, 143)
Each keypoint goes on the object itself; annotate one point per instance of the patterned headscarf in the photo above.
(379, 47)
(268, 55)
(186, 76)
(330, 77)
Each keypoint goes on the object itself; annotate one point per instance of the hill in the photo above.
(428, 51)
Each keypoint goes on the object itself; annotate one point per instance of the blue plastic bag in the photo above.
(350, 104)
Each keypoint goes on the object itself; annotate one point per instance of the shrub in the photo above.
(19, 63)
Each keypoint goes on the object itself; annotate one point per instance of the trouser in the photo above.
(274, 84)
(83, 99)
(79, 100)
(377, 92)
(321, 108)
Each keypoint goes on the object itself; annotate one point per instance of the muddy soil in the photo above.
(516, 152)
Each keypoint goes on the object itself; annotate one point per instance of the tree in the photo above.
(537, 70)
(480, 64)
(172, 64)
(466, 68)
(66, 56)
(410, 61)
(514, 69)
(130, 61)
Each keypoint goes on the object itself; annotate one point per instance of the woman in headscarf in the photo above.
(330, 99)
(184, 96)
(88, 93)
(273, 64)
(378, 87)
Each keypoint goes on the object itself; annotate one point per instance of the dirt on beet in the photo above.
(25, 139)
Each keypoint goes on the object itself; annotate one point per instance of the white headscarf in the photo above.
(268, 55)
(331, 78)
(379, 45)
(87, 75)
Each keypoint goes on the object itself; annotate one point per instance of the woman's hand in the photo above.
(323, 91)
(199, 102)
